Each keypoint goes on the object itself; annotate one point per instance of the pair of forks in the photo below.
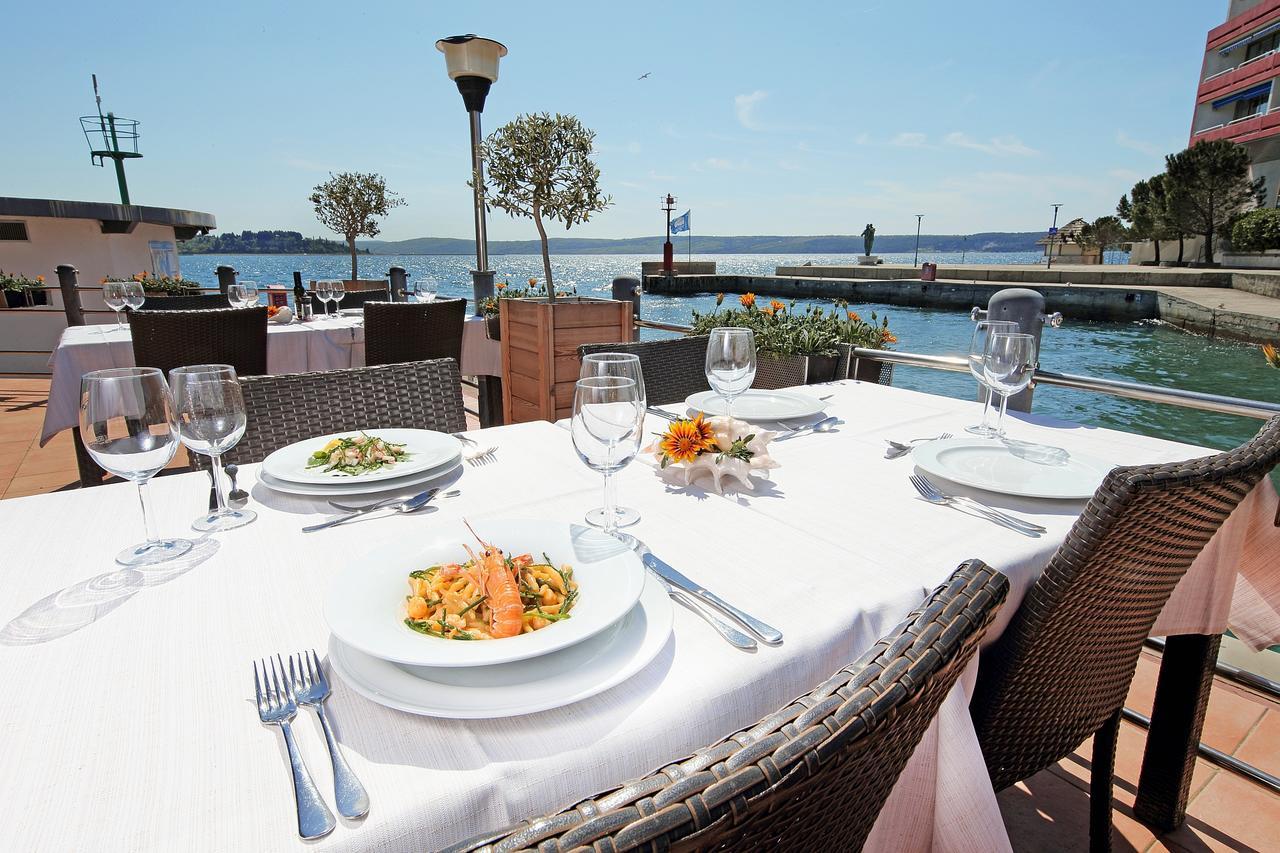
(278, 693)
(931, 493)
(476, 456)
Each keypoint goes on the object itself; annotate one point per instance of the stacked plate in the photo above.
(619, 624)
(431, 455)
(758, 405)
(1012, 467)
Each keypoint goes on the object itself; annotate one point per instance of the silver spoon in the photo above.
(405, 506)
(349, 508)
(236, 498)
(897, 448)
(824, 425)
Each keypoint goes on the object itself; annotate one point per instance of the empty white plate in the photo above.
(757, 405)
(1013, 468)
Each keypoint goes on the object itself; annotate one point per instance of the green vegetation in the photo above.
(1257, 231)
(262, 243)
(1103, 233)
(781, 330)
(350, 204)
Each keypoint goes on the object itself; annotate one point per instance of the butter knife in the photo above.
(765, 632)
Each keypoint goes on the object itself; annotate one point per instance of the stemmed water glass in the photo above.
(126, 423)
(113, 295)
(427, 289)
(210, 419)
(1008, 366)
(983, 332)
(235, 295)
(134, 295)
(626, 366)
(337, 290)
(324, 290)
(731, 363)
(248, 294)
(607, 418)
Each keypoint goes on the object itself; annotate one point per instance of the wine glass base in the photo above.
(623, 517)
(984, 431)
(227, 520)
(150, 553)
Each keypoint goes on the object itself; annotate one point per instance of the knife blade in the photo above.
(765, 632)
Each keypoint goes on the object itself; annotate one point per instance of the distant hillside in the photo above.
(262, 243)
(991, 241)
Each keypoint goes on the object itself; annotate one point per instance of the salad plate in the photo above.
(366, 602)
(758, 405)
(508, 690)
(424, 450)
(358, 485)
(1013, 467)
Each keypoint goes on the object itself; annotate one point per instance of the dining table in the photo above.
(323, 343)
(129, 702)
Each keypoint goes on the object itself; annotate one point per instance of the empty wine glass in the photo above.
(731, 363)
(126, 423)
(134, 295)
(606, 425)
(1008, 366)
(113, 295)
(983, 331)
(324, 290)
(249, 294)
(627, 366)
(428, 288)
(210, 419)
(337, 290)
(235, 295)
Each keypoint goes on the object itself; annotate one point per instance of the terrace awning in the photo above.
(1251, 92)
(1250, 39)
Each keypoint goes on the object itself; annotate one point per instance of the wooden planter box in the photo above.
(540, 341)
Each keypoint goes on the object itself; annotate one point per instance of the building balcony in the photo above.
(1250, 19)
(1257, 70)
(1248, 129)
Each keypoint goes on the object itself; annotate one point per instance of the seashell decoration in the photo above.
(722, 473)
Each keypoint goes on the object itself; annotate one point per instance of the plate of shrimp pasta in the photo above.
(483, 592)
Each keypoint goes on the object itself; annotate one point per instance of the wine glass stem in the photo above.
(119, 321)
(986, 409)
(216, 461)
(1004, 402)
(144, 499)
(610, 507)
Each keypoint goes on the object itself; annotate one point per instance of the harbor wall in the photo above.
(1115, 274)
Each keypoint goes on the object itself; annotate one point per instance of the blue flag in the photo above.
(680, 223)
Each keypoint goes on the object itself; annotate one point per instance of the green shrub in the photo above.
(1257, 231)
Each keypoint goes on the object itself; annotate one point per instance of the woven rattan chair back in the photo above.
(395, 332)
(296, 406)
(169, 339)
(200, 302)
(351, 299)
(812, 776)
(672, 369)
(1063, 666)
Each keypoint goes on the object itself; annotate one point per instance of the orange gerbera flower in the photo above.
(747, 300)
(853, 315)
(684, 440)
(888, 337)
(719, 298)
(778, 306)
(1270, 354)
(532, 282)
(502, 285)
(768, 312)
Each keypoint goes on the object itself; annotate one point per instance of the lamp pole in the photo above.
(915, 260)
(1053, 236)
(668, 252)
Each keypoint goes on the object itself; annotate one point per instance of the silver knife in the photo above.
(407, 505)
(767, 633)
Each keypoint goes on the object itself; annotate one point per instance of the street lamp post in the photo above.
(1053, 236)
(472, 63)
(915, 260)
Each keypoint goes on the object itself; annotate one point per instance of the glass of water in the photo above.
(606, 425)
(731, 363)
(324, 290)
(210, 418)
(113, 295)
(626, 366)
(248, 294)
(126, 423)
(428, 289)
(337, 290)
(134, 295)
(1008, 366)
(983, 331)
(235, 295)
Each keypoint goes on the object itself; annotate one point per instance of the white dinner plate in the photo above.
(1013, 467)
(427, 449)
(512, 689)
(365, 602)
(757, 405)
(357, 486)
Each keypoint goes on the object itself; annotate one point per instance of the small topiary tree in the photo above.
(1257, 231)
(868, 238)
(350, 204)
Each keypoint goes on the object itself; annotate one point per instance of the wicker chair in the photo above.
(812, 776)
(200, 302)
(1060, 672)
(396, 332)
(352, 299)
(295, 406)
(673, 369)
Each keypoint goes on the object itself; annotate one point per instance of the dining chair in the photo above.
(410, 331)
(352, 299)
(811, 776)
(673, 369)
(1061, 670)
(296, 406)
(198, 302)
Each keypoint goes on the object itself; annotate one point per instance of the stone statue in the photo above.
(868, 238)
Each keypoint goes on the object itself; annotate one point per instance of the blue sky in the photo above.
(764, 118)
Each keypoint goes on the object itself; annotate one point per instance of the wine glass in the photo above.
(428, 288)
(249, 294)
(324, 289)
(337, 290)
(983, 331)
(134, 295)
(606, 425)
(210, 419)
(731, 363)
(1008, 366)
(235, 295)
(113, 295)
(126, 423)
(627, 366)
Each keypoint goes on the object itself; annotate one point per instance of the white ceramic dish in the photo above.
(1013, 468)
(357, 486)
(509, 690)
(756, 405)
(427, 450)
(365, 602)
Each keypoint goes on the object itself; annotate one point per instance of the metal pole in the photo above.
(1053, 236)
(477, 178)
(115, 147)
(915, 260)
(964, 247)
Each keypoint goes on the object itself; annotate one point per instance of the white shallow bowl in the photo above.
(358, 486)
(428, 449)
(757, 405)
(508, 690)
(1013, 468)
(365, 602)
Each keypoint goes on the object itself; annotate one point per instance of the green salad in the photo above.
(357, 455)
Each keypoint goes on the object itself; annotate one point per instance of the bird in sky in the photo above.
(644, 75)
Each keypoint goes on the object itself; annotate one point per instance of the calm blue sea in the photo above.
(1142, 352)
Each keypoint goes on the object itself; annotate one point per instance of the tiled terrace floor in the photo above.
(1047, 812)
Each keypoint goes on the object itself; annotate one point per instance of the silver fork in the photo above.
(482, 457)
(311, 688)
(276, 707)
(898, 448)
(930, 493)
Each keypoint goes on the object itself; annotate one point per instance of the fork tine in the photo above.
(294, 681)
(257, 690)
(929, 487)
(317, 671)
(285, 682)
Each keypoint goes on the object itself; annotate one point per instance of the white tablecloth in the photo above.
(323, 344)
(128, 720)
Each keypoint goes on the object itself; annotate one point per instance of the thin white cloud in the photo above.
(909, 139)
(862, 138)
(995, 145)
(790, 166)
(1124, 140)
(745, 108)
